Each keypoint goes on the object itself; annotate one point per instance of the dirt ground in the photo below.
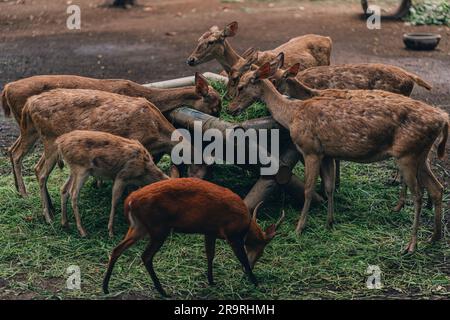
(151, 42)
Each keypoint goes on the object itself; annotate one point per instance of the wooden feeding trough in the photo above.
(185, 117)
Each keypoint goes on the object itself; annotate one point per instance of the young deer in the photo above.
(190, 205)
(15, 94)
(308, 50)
(365, 76)
(54, 113)
(359, 130)
(102, 155)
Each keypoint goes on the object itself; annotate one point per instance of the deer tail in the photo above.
(420, 81)
(441, 147)
(5, 103)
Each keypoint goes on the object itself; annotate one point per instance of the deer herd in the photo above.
(117, 129)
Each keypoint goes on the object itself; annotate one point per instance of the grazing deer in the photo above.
(102, 155)
(15, 94)
(201, 96)
(54, 113)
(190, 205)
(332, 80)
(308, 50)
(364, 76)
(356, 129)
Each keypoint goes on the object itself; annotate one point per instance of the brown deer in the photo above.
(356, 129)
(339, 81)
(190, 205)
(308, 50)
(54, 113)
(106, 156)
(201, 97)
(364, 76)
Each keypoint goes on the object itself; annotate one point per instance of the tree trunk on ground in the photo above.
(401, 11)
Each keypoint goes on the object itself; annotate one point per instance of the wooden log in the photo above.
(185, 81)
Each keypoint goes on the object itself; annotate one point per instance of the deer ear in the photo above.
(279, 61)
(247, 53)
(230, 30)
(263, 72)
(201, 85)
(174, 173)
(292, 71)
(271, 231)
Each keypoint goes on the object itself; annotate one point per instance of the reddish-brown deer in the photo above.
(193, 206)
(359, 130)
(54, 113)
(107, 156)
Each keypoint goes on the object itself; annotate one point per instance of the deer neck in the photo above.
(229, 58)
(298, 90)
(278, 105)
(255, 234)
(169, 99)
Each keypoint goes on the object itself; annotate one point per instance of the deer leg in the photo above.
(312, 168)
(435, 191)
(210, 248)
(329, 176)
(127, 242)
(237, 245)
(78, 182)
(64, 197)
(37, 169)
(21, 147)
(402, 198)
(43, 170)
(156, 242)
(10, 152)
(409, 169)
(337, 164)
(117, 191)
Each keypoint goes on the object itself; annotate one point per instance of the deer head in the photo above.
(211, 44)
(257, 239)
(207, 99)
(249, 88)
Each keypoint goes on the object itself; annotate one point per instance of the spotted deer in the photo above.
(356, 129)
(308, 50)
(54, 113)
(201, 97)
(106, 156)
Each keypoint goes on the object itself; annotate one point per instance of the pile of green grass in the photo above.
(321, 263)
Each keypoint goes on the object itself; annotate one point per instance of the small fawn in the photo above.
(359, 129)
(190, 205)
(102, 155)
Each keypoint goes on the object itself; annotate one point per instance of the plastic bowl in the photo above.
(421, 41)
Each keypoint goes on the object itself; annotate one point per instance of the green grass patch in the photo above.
(321, 264)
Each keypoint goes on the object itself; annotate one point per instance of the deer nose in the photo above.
(191, 61)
